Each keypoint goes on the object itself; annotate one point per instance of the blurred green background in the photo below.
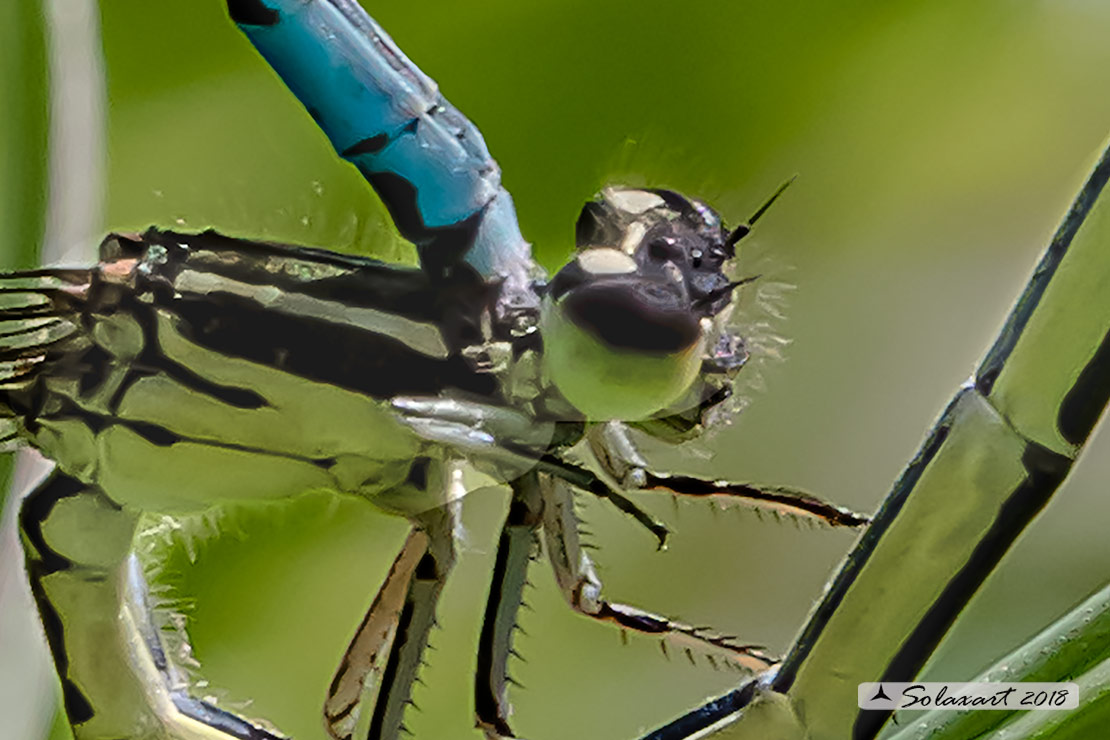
(937, 145)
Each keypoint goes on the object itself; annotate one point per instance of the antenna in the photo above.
(743, 229)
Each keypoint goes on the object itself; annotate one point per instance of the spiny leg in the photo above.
(586, 480)
(116, 679)
(618, 456)
(579, 582)
(516, 547)
(791, 502)
(383, 659)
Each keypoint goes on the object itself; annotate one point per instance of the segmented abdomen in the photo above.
(426, 160)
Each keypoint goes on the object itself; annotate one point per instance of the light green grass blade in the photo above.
(1076, 645)
(1089, 720)
(990, 464)
(993, 461)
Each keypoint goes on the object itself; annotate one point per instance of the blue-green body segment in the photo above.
(424, 158)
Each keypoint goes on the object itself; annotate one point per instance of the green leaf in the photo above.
(1089, 720)
(1074, 648)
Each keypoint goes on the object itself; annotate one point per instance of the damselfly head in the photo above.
(663, 230)
(629, 323)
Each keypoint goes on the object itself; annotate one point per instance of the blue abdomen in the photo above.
(426, 160)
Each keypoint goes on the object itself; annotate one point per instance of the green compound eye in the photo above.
(617, 344)
(606, 383)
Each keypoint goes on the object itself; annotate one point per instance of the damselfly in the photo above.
(185, 370)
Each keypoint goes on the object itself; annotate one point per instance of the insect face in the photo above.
(632, 315)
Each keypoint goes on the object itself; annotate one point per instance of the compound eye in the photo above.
(621, 347)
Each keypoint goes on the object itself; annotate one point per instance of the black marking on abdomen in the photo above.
(440, 247)
(252, 13)
(707, 714)
(1083, 404)
(369, 145)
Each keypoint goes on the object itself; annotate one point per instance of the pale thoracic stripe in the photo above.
(422, 337)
